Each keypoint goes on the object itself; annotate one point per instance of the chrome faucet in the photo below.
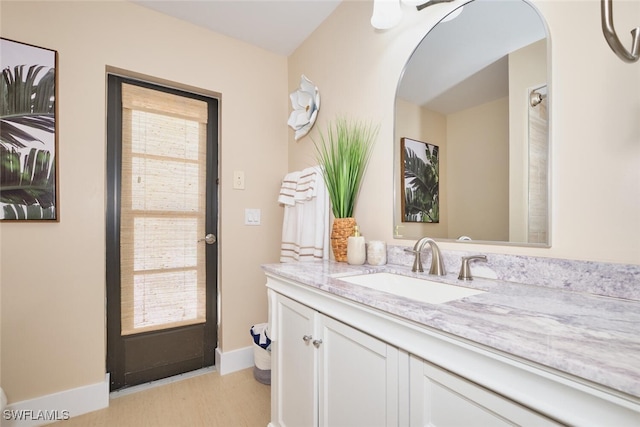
(465, 270)
(437, 264)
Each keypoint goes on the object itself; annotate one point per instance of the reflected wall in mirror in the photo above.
(476, 86)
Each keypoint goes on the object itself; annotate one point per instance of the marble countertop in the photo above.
(591, 337)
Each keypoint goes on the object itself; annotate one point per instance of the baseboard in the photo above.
(234, 360)
(57, 406)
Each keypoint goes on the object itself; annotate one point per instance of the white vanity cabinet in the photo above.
(327, 373)
(294, 378)
(339, 362)
(440, 398)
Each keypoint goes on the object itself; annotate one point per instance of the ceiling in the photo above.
(479, 38)
(278, 26)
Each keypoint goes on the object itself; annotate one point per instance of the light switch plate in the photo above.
(238, 180)
(252, 216)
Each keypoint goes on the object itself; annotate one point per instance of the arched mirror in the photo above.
(471, 149)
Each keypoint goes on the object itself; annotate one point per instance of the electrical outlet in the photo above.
(238, 180)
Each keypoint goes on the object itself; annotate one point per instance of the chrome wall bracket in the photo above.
(612, 38)
(431, 3)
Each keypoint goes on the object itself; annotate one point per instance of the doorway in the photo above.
(162, 146)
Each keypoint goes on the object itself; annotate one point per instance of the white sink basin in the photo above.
(410, 287)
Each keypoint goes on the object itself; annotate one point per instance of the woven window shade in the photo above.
(162, 210)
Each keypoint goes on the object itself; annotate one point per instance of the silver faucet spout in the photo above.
(437, 263)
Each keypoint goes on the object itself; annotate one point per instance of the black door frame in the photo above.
(115, 346)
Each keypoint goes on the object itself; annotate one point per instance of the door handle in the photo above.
(209, 239)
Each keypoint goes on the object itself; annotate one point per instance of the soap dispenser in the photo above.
(356, 251)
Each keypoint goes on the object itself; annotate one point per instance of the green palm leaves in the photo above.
(421, 197)
(27, 176)
(343, 152)
(28, 183)
(23, 102)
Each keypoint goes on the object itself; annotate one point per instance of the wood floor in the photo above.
(210, 400)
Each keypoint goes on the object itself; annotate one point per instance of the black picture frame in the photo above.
(28, 132)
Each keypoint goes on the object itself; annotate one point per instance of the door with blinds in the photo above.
(161, 231)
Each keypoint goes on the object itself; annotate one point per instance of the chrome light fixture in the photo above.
(388, 13)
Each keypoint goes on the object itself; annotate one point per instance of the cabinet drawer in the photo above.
(440, 398)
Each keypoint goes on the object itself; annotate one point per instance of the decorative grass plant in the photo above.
(343, 152)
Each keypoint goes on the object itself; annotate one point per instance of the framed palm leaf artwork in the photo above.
(28, 137)
(420, 181)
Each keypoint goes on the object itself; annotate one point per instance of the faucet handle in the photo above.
(465, 270)
(417, 261)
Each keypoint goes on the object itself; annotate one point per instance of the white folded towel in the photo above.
(307, 184)
(305, 227)
(288, 189)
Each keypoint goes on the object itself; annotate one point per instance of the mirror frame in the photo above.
(397, 181)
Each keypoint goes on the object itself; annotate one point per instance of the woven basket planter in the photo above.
(340, 231)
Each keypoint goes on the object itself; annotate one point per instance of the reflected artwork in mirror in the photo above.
(420, 181)
(476, 87)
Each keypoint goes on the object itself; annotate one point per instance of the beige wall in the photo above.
(477, 161)
(595, 132)
(53, 275)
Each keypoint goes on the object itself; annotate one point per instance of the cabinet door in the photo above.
(358, 378)
(294, 385)
(441, 399)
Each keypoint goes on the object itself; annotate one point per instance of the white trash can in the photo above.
(261, 353)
